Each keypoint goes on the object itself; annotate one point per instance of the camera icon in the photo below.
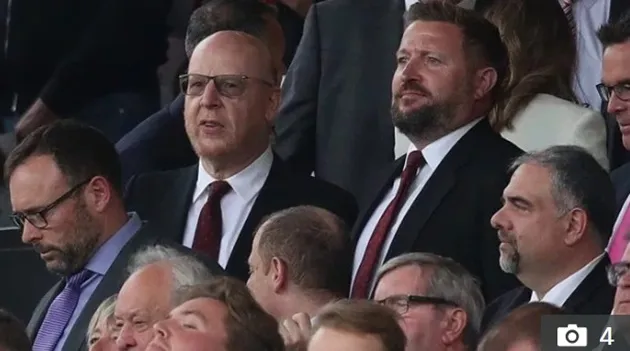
(572, 336)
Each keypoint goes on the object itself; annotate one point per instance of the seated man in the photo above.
(220, 315)
(299, 263)
(160, 142)
(214, 206)
(12, 333)
(440, 302)
(156, 273)
(557, 215)
(520, 330)
(349, 325)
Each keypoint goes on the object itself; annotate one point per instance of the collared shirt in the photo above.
(589, 16)
(99, 264)
(560, 293)
(235, 205)
(433, 153)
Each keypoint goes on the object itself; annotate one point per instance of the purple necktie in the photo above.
(59, 312)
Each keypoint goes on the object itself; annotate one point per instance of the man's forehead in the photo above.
(615, 68)
(407, 279)
(431, 32)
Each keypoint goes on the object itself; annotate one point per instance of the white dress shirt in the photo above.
(433, 153)
(235, 205)
(560, 293)
(589, 16)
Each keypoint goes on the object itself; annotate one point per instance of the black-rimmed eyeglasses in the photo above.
(616, 271)
(37, 218)
(401, 303)
(228, 85)
(621, 90)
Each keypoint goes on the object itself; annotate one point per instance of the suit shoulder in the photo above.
(621, 174)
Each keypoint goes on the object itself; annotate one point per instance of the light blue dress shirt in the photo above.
(99, 264)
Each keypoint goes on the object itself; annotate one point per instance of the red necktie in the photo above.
(375, 245)
(210, 225)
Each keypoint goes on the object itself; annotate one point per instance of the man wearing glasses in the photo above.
(215, 205)
(439, 301)
(66, 195)
(615, 92)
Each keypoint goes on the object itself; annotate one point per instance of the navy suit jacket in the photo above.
(159, 143)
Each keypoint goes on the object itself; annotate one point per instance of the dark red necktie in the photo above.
(210, 225)
(375, 245)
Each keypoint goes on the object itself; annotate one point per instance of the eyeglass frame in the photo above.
(417, 300)
(241, 77)
(613, 276)
(605, 91)
(20, 218)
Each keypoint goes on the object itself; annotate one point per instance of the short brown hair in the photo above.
(522, 324)
(248, 327)
(12, 333)
(80, 151)
(482, 41)
(363, 317)
(315, 245)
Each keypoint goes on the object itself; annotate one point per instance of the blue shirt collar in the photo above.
(107, 253)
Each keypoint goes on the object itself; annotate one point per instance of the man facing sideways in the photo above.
(299, 263)
(156, 274)
(349, 325)
(557, 215)
(214, 207)
(449, 64)
(66, 195)
(440, 303)
(220, 315)
(615, 93)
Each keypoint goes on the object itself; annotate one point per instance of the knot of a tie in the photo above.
(414, 161)
(75, 281)
(218, 189)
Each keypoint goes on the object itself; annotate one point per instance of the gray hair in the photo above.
(187, 269)
(104, 311)
(577, 181)
(450, 281)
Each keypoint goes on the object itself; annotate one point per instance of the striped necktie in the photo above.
(59, 312)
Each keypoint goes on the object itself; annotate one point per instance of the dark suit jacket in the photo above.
(109, 285)
(593, 296)
(451, 215)
(617, 154)
(335, 118)
(165, 198)
(159, 143)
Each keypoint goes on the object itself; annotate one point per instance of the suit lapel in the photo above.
(180, 194)
(109, 285)
(41, 309)
(431, 195)
(594, 281)
(270, 199)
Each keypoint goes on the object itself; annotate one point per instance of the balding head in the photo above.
(234, 44)
(232, 97)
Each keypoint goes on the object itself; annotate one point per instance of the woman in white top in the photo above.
(538, 108)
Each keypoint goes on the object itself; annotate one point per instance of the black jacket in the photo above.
(69, 51)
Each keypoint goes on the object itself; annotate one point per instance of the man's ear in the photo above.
(485, 81)
(279, 274)
(453, 325)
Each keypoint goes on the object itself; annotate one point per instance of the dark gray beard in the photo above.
(428, 123)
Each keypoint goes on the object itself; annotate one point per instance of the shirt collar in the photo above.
(246, 183)
(561, 292)
(107, 253)
(435, 152)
